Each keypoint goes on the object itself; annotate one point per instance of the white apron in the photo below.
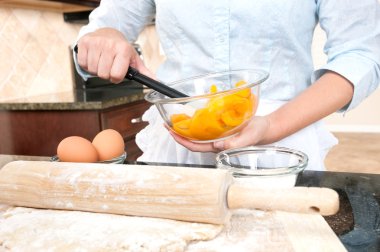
(159, 146)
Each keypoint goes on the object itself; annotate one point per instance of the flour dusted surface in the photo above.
(26, 229)
(248, 231)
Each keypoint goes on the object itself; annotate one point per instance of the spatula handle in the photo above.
(134, 74)
(324, 201)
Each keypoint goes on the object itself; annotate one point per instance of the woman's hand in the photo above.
(107, 54)
(254, 133)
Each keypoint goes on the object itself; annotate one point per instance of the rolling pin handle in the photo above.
(323, 201)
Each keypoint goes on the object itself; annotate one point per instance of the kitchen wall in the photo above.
(35, 55)
(35, 60)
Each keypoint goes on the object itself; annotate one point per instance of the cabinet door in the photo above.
(126, 120)
(38, 133)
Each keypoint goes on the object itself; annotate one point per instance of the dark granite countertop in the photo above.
(357, 223)
(100, 97)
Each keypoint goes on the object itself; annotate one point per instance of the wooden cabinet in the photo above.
(51, 5)
(38, 132)
(127, 120)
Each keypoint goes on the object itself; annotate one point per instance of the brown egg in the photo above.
(109, 144)
(76, 149)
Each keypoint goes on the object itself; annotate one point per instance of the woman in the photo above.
(199, 37)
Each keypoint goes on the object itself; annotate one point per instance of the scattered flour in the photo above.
(26, 229)
(248, 230)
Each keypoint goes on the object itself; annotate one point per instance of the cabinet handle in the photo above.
(136, 120)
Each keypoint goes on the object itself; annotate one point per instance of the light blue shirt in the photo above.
(274, 35)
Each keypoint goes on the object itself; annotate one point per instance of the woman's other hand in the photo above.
(254, 133)
(107, 54)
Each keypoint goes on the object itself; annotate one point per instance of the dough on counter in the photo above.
(27, 229)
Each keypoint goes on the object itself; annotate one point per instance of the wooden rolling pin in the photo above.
(188, 194)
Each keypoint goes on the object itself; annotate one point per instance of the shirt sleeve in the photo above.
(129, 17)
(352, 29)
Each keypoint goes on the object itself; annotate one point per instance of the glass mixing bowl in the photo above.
(219, 104)
(268, 166)
(117, 160)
